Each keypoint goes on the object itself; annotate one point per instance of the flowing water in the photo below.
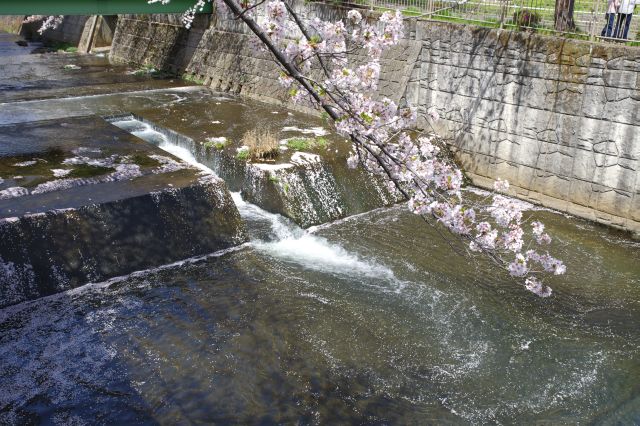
(369, 319)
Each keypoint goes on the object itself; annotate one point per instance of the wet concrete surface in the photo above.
(59, 164)
(58, 74)
(82, 200)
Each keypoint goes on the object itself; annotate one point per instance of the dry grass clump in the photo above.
(262, 144)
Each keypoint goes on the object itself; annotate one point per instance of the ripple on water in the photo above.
(255, 333)
(371, 318)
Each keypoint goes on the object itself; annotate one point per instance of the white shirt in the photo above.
(613, 6)
(626, 6)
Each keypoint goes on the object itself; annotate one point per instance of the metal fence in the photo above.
(525, 15)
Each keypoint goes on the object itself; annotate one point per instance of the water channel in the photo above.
(368, 319)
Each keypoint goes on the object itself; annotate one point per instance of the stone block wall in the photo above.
(558, 118)
(219, 53)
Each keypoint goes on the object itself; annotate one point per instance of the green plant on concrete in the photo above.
(217, 143)
(145, 69)
(306, 144)
(243, 154)
(144, 160)
(274, 179)
(61, 47)
(325, 117)
(87, 171)
(322, 142)
(193, 79)
(299, 144)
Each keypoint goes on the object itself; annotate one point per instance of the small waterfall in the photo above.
(271, 233)
(285, 240)
(307, 189)
(162, 139)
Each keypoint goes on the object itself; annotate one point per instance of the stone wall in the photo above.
(217, 52)
(556, 117)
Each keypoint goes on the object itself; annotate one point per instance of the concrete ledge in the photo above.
(95, 202)
(310, 188)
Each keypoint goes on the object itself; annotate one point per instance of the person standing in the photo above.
(610, 16)
(624, 18)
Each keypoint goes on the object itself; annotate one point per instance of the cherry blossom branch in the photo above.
(48, 22)
(378, 130)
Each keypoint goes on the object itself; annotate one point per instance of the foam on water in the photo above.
(317, 253)
(13, 192)
(292, 243)
(184, 89)
(316, 131)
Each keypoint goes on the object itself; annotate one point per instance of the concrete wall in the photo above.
(70, 31)
(556, 117)
(217, 51)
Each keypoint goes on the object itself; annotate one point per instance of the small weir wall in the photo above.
(49, 252)
(556, 117)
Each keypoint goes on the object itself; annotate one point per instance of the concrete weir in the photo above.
(310, 187)
(82, 201)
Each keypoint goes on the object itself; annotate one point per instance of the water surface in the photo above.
(372, 319)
